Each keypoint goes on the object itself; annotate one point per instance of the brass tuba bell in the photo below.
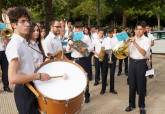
(121, 50)
(7, 32)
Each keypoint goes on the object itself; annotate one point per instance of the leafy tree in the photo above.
(88, 8)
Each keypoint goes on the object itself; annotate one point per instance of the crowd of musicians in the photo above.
(29, 47)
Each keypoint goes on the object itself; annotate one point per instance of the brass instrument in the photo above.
(110, 52)
(101, 54)
(7, 32)
(121, 49)
(81, 47)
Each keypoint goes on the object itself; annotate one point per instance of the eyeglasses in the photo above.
(57, 26)
(24, 21)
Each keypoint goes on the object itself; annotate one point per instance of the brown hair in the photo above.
(15, 13)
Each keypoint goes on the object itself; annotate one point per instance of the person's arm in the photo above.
(16, 77)
(141, 50)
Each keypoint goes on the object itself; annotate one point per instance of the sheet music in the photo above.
(150, 72)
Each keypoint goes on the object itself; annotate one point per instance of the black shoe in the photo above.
(7, 89)
(96, 83)
(87, 100)
(119, 73)
(113, 91)
(102, 92)
(142, 111)
(129, 108)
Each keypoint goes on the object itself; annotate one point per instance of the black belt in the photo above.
(80, 58)
(138, 60)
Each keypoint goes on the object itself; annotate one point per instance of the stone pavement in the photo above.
(109, 103)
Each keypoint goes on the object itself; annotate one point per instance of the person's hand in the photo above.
(132, 39)
(44, 76)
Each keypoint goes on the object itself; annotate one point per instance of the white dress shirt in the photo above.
(144, 43)
(2, 45)
(52, 44)
(110, 43)
(18, 48)
(98, 43)
(36, 54)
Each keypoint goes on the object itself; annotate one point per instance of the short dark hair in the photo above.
(15, 13)
(101, 29)
(141, 23)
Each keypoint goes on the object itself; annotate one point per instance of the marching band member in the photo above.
(81, 58)
(64, 40)
(3, 60)
(101, 60)
(21, 67)
(112, 41)
(35, 45)
(52, 44)
(151, 38)
(88, 40)
(138, 49)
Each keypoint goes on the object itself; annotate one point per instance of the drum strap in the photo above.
(32, 89)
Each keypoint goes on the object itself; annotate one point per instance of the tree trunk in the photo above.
(124, 24)
(48, 13)
(89, 21)
(98, 12)
(158, 19)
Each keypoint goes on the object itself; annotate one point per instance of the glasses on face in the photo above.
(57, 26)
(24, 21)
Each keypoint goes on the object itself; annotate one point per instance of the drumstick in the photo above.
(56, 76)
(60, 76)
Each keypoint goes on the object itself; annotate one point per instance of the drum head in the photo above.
(62, 88)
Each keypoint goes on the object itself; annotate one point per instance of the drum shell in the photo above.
(51, 106)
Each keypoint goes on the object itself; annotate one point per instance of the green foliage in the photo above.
(88, 8)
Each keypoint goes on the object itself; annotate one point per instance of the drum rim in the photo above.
(69, 61)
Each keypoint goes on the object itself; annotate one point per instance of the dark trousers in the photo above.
(104, 71)
(103, 67)
(112, 72)
(83, 62)
(26, 101)
(137, 81)
(68, 55)
(89, 66)
(4, 67)
(126, 65)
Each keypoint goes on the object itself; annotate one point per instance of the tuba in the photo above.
(101, 54)
(121, 49)
(7, 32)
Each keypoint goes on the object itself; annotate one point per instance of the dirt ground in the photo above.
(109, 103)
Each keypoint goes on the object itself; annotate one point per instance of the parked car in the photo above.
(159, 43)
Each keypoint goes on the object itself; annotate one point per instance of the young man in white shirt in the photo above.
(100, 60)
(111, 41)
(21, 67)
(138, 49)
(52, 44)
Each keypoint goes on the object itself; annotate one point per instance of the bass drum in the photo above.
(62, 95)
